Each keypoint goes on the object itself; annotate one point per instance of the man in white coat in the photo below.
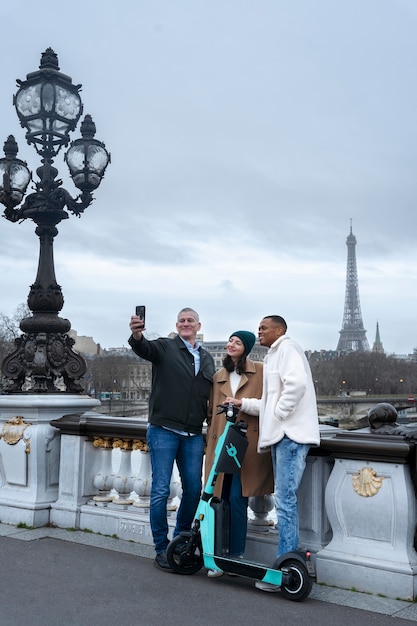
(288, 424)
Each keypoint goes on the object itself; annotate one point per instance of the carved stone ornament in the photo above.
(13, 431)
(367, 483)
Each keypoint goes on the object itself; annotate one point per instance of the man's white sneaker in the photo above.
(266, 586)
(214, 573)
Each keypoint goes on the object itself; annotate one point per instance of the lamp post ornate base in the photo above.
(44, 357)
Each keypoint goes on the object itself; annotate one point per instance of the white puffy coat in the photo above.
(288, 405)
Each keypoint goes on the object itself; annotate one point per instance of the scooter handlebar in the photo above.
(230, 409)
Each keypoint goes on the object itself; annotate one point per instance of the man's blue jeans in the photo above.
(289, 461)
(165, 447)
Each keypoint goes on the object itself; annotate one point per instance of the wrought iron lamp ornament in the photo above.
(49, 107)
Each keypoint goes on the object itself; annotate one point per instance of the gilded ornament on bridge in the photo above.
(123, 444)
(102, 442)
(138, 444)
(13, 431)
(367, 483)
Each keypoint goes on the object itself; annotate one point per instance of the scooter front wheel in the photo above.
(183, 557)
(296, 581)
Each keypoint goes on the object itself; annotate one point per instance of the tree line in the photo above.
(370, 372)
(333, 374)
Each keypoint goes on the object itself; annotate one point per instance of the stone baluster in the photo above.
(175, 490)
(261, 507)
(143, 481)
(103, 479)
(123, 481)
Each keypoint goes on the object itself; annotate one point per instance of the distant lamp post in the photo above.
(49, 107)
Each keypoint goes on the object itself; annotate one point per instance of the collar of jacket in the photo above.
(223, 374)
(183, 345)
(277, 342)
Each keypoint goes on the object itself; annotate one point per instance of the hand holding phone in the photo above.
(140, 312)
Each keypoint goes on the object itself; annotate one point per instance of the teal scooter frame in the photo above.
(207, 543)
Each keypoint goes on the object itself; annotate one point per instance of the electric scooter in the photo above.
(207, 543)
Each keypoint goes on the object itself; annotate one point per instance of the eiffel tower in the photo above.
(353, 334)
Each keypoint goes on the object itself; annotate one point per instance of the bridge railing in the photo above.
(88, 471)
(113, 496)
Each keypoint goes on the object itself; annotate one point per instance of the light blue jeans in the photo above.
(289, 461)
(165, 447)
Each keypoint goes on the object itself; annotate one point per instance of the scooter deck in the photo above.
(243, 568)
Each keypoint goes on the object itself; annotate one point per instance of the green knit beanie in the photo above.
(246, 337)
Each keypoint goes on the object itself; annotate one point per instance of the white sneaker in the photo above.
(214, 573)
(266, 586)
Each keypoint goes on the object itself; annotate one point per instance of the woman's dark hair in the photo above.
(229, 364)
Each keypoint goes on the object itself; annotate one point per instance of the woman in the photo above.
(239, 377)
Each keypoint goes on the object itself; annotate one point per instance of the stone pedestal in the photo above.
(30, 452)
(76, 484)
(371, 507)
(315, 531)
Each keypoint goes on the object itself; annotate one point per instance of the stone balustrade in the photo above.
(115, 492)
(357, 498)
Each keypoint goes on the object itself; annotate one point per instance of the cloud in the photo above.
(244, 137)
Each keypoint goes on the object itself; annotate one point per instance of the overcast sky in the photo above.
(244, 136)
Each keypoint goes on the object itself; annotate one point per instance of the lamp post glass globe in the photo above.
(87, 158)
(48, 106)
(14, 175)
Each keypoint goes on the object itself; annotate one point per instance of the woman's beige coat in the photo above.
(256, 474)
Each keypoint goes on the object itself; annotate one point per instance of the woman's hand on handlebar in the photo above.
(234, 401)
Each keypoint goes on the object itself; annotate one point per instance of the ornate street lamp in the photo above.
(49, 107)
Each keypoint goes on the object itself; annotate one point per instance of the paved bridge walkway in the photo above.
(52, 577)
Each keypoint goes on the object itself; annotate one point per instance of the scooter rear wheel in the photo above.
(296, 581)
(181, 558)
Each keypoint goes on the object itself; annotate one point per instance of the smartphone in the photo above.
(140, 312)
